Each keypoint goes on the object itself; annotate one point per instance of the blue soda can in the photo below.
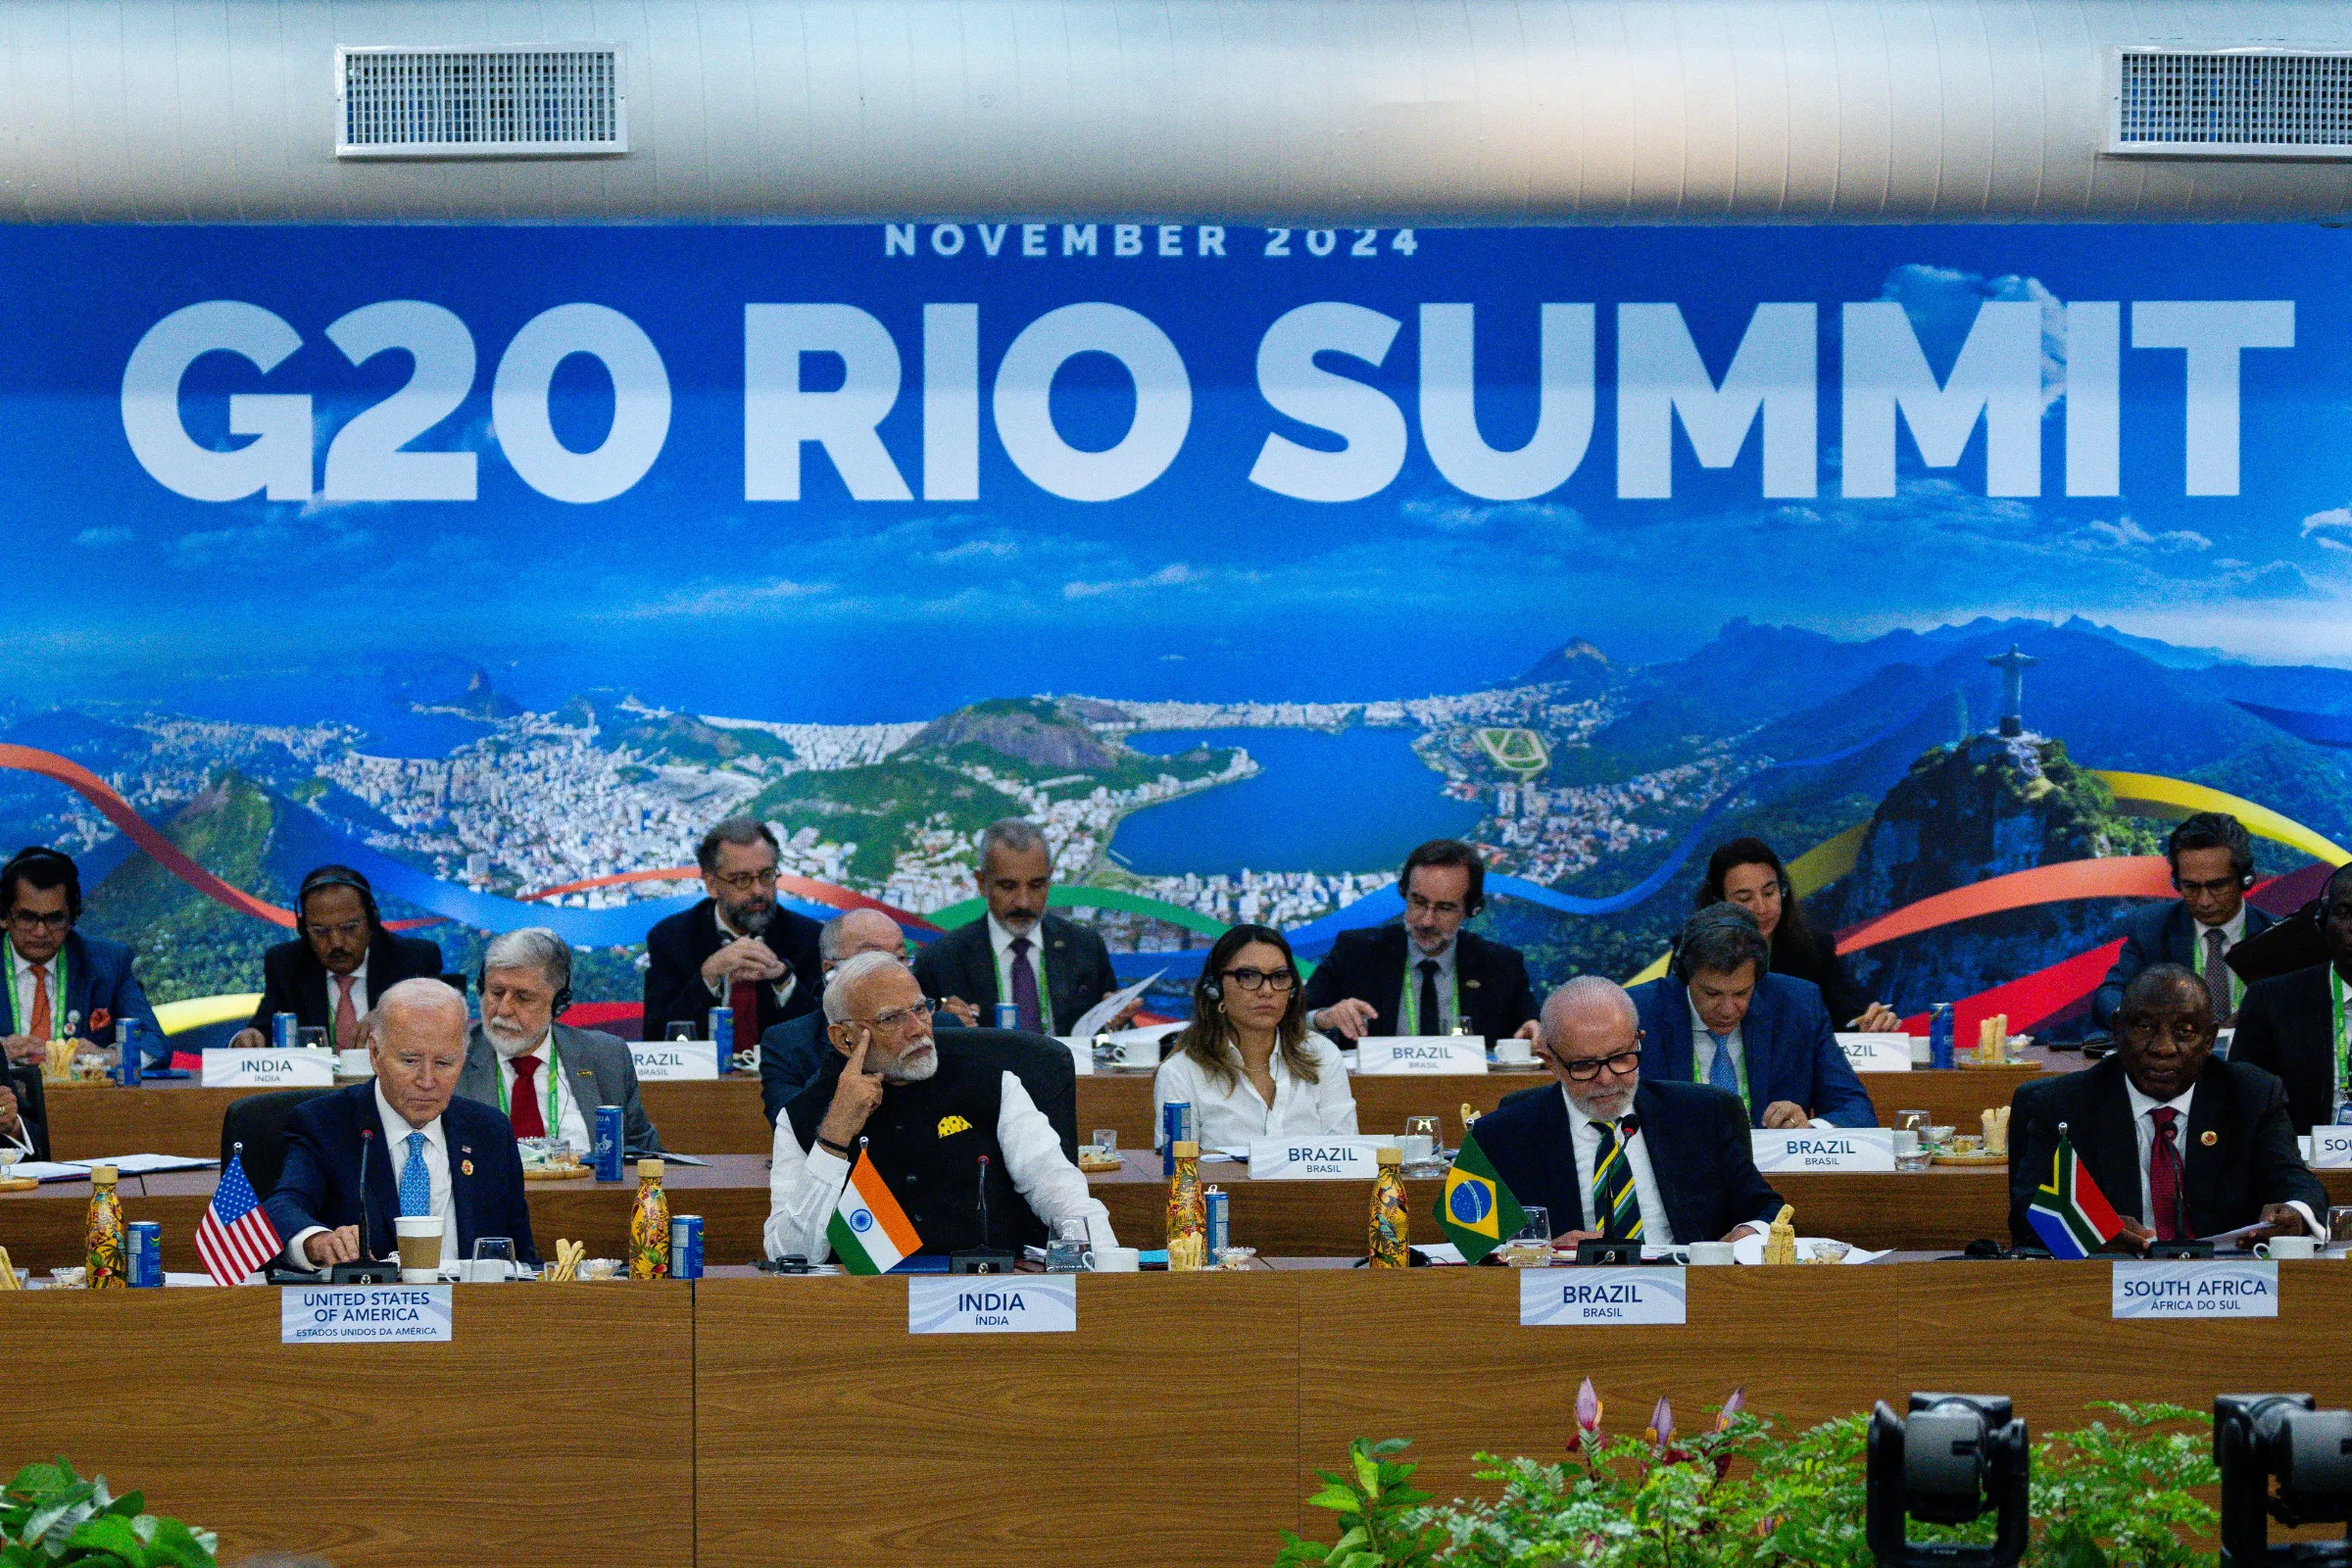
(1009, 1016)
(1220, 1224)
(145, 1244)
(1176, 1123)
(285, 1035)
(722, 1024)
(129, 1049)
(607, 1143)
(685, 1247)
(1940, 1024)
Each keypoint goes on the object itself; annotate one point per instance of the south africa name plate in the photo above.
(2195, 1288)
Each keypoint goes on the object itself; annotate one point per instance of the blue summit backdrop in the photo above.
(519, 554)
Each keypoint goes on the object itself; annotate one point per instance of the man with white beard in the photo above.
(546, 1077)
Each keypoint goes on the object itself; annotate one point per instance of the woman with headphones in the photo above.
(1247, 1064)
(1746, 872)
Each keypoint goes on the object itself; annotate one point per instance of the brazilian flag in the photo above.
(1476, 1210)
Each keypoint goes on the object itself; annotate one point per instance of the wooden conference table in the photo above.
(752, 1421)
(723, 1116)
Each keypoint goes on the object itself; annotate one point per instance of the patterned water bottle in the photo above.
(1188, 1216)
(1388, 1248)
(109, 1259)
(649, 1225)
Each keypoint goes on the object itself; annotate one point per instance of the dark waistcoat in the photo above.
(925, 1139)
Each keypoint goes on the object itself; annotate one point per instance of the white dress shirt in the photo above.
(1657, 1230)
(1448, 1013)
(2233, 931)
(1000, 942)
(804, 1185)
(395, 1140)
(1236, 1117)
(2144, 1127)
(568, 1122)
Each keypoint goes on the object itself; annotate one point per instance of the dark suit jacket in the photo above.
(1078, 974)
(1791, 1051)
(2163, 933)
(1369, 964)
(600, 1072)
(674, 951)
(33, 1106)
(294, 981)
(2252, 1160)
(98, 982)
(1698, 1146)
(320, 1182)
(2286, 1027)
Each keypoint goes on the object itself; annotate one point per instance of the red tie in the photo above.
(529, 1122)
(39, 1023)
(2164, 1177)
(742, 998)
(347, 1016)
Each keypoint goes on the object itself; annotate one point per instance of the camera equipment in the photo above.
(2262, 1438)
(1952, 1459)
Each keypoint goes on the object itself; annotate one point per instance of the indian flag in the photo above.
(2069, 1212)
(869, 1232)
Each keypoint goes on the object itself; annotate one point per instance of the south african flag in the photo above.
(2069, 1212)
(1476, 1210)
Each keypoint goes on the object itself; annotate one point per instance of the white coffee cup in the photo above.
(420, 1246)
(1139, 1053)
(1710, 1254)
(1515, 1052)
(2288, 1248)
(1417, 1147)
(1117, 1259)
(1906, 1141)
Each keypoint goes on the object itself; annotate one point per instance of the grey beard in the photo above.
(751, 922)
(898, 1072)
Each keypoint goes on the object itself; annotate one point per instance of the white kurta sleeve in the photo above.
(1053, 1186)
(803, 1187)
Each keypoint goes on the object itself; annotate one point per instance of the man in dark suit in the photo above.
(340, 964)
(60, 985)
(1719, 1016)
(2181, 1143)
(997, 956)
(2294, 1025)
(1611, 1153)
(424, 1151)
(2213, 866)
(736, 949)
(1427, 975)
(545, 1077)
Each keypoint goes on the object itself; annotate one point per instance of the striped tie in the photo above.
(1613, 1198)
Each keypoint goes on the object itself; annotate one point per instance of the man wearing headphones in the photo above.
(331, 974)
(61, 985)
(1426, 975)
(2213, 866)
(545, 1077)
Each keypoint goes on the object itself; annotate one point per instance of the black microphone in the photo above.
(367, 1213)
(983, 1201)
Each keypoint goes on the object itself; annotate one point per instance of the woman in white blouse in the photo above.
(1247, 1064)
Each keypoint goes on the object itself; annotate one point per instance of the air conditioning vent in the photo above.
(516, 101)
(2232, 103)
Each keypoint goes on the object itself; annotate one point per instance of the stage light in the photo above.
(2263, 1437)
(1955, 1458)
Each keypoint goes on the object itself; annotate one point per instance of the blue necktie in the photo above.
(415, 1186)
(1721, 1072)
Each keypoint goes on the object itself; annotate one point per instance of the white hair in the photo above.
(534, 947)
(1012, 834)
(848, 977)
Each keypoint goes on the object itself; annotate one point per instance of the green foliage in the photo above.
(1381, 1515)
(51, 1516)
(2119, 1493)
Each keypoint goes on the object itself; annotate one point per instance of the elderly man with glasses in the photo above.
(546, 1077)
(1427, 976)
(735, 948)
(1611, 1154)
(940, 1130)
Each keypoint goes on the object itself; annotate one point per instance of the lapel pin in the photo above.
(467, 1168)
(1469, 985)
(2210, 1138)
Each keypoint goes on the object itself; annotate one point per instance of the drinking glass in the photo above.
(1106, 1142)
(678, 1030)
(2340, 1227)
(311, 1039)
(1912, 1120)
(493, 1260)
(1421, 1139)
(1531, 1246)
(1066, 1247)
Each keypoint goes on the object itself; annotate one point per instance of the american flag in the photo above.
(236, 1237)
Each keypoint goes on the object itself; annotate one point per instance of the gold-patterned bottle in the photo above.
(649, 1225)
(1388, 1247)
(1188, 1215)
(109, 1262)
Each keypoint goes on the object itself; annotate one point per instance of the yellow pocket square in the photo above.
(952, 1124)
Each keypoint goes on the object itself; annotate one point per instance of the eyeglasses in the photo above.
(745, 881)
(1585, 1069)
(897, 1018)
(348, 931)
(26, 920)
(1259, 979)
(1421, 906)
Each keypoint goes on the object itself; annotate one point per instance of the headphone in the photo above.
(2233, 838)
(1474, 900)
(554, 1009)
(24, 860)
(337, 876)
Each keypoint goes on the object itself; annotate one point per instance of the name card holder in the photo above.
(2199, 1288)
(1806, 1149)
(1574, 1297)
(2330, 1147)
(1317, 1159)
(1386, 1054)
(267, 1068)
(992, 1304)
(1877, 1052)
(670, 1061)
(364, 1314)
